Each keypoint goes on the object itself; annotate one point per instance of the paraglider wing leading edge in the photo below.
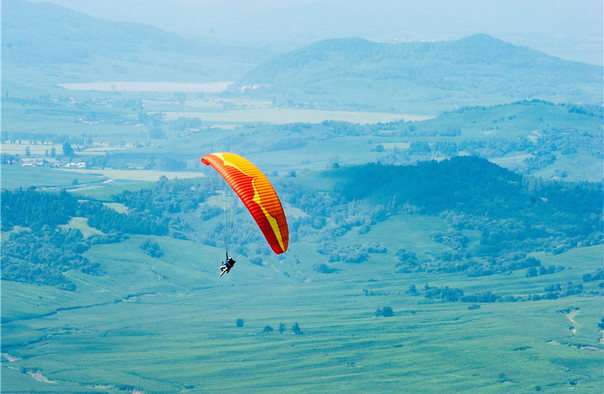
(256, 193)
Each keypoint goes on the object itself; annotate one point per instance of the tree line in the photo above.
(41, 256)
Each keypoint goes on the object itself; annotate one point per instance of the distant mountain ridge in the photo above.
(463, 71)
(68, 45)
(30, 30)
(51, 44)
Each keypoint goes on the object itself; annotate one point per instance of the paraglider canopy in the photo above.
(256, 193)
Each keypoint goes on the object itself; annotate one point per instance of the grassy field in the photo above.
(85, 182)
(168, 325)
(82, 225)
(139, 175)
(14, 176)
(95, 184)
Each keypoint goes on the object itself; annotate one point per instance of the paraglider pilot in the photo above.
(227, 265)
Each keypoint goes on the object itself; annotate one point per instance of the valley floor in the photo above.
(169, 325)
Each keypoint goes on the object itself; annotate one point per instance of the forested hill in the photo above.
(407, 60)
(513, 214)
(478, 66)
(469, 185)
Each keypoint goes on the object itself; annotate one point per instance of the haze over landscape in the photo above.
(439, 164)
(571, 30)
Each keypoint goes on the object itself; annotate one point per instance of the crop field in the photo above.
(138, 175)
(169, 324)
(14, 176)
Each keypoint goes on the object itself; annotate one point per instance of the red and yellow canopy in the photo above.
(257, 194)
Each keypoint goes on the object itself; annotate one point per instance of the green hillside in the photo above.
(364, 292)
(476, 70)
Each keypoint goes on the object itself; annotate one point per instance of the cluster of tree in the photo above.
(339, 128)
(295, 328)
(110, 221)
(568, 310)
(489, 265)
(449, 294)
(558, 290)
(8, 158)
(207, 212)
(324, 269)
(444, 293)
(476, 264)
(453, 238)
(165, 197)
(151, 248)
(552, 269)
(598, 275)
(96, 161)
(354, 254)
(385, 311)
(30, 208)
(568, 141)
(42, 255)
(486, 297)
(296, 127)
(407, 262)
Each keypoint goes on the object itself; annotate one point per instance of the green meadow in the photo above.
(168, 324)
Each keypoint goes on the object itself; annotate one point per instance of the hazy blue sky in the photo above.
(569, 29)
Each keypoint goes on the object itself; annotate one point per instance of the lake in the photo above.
(293, 115)
(121, 86)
